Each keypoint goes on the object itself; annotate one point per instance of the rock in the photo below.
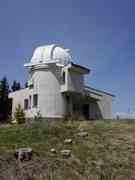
(83, 126)
(68, 141)
(83, 134)
(53, 150)
(14, 122)
(23, 154)
(66, 153)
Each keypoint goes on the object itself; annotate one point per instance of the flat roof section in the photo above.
(80, 67)
(100, 91)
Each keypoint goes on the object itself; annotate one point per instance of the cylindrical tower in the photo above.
(45, 80)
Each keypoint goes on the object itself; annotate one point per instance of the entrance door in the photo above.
(86, 111)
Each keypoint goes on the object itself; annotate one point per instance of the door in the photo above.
(86, 111)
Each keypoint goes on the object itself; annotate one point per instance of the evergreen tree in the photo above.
(18, 86)
(19, 115)
(26, 84)
(4, 101)
(15, 86)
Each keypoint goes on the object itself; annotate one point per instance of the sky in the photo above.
(100, 34)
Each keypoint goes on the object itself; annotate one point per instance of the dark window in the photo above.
(29, 101)
(86, 111)
(26, 103)
(67, 99)
(63, 77)
(35, 100)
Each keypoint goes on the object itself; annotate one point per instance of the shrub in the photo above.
(77, 117)
(74, 117)
(19, 115)
(30, 178)
(38, 117)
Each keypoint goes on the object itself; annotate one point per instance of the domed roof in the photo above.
(51, 53)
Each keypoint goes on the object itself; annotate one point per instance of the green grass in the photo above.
(107, 153)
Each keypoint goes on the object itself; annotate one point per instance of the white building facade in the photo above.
(56, 88)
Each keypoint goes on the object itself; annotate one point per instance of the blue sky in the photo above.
(100, 33)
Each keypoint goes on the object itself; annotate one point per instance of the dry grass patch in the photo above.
(107, 153)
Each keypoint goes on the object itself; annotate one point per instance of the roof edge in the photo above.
(90, 88)
(81, 67)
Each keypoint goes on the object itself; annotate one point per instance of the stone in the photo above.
(22, 154)
(53, 150)
(68, 141)
(83, 126)
(83, 134)
(66, 153)
(14, 122)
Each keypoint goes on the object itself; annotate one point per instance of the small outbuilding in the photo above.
(56, 88)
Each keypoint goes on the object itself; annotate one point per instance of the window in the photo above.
(26, 103)
(35, 100)
(29, 101)
(63, 77)
(67, 99)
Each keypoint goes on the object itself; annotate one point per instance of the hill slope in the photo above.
(107, 153)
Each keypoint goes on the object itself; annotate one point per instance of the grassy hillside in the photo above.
(107, 153)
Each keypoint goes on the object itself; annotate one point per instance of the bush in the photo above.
(38, 117)
(77, 117)
(19, 115)
(30, 178)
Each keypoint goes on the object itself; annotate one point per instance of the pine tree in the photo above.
(26, 84)
(18, 87)
(4, 101)
(15, 86)
(19, 115)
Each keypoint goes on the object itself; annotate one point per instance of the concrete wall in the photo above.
(101, 109)
(18, 98)
(105, 106)
(75, 81)
(47, 86)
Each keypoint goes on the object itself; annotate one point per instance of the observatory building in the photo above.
(56, 88)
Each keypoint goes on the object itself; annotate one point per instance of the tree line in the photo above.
(5, 102)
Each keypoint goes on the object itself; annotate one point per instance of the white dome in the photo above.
(51, 53)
